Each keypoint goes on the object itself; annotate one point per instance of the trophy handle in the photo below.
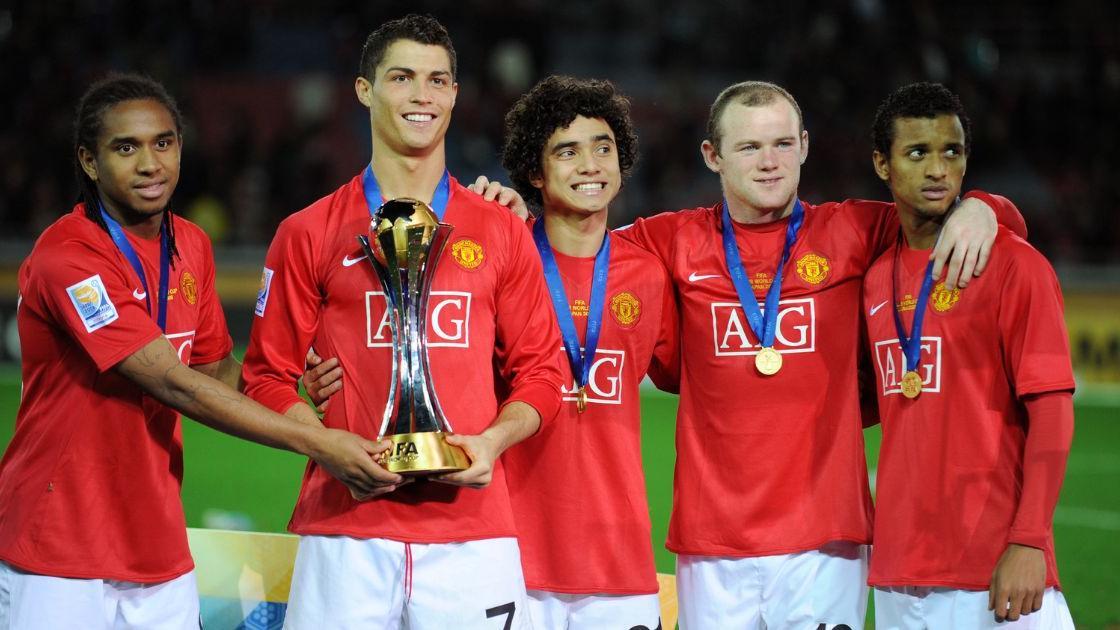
(383, 276)
(440, 237)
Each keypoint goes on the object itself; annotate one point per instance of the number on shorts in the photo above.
(504, 609)
(839, 626)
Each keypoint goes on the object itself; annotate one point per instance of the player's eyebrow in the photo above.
(118, 140)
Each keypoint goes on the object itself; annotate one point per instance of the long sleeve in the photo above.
(1049, 435)
(527, 337)
(286, 318)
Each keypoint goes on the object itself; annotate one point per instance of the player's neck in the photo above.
(920, 230)
(145, 226)
(572, 234)
(406, 175)
(745, 213)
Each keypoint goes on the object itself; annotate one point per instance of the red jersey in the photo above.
(578, 490)
(949, 484)
(89, 486)
(769, 464)
(490, 324)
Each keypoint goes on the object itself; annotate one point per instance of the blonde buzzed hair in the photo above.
(749, 94)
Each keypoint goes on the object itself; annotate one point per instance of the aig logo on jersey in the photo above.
(604, 380)
(795, 330)
(449, 320)
(92, 302)
(891, 364)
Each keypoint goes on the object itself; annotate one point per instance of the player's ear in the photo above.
(804, 145)
(882, 166)
(88, 161)
(537, 180)
(363, 88)
(711, 155)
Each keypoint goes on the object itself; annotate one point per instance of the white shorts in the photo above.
(565, 611)
(924, 607)
(341, 582)
(798, 590)
(29, 601)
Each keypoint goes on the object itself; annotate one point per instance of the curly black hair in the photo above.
(424, 29)
(553, 104)
(917, 100)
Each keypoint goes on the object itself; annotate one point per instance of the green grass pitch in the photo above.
(235, 482)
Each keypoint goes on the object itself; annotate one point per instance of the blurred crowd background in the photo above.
(272, 122)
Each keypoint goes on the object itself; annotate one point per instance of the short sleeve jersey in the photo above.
(950, 465)
(577, 488)
(89, 486)
(769, 465)
(491, 332)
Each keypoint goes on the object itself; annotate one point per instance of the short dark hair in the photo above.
(553, 104)
(749, 94)
(423, 29)
(89, 121)
(917, 100)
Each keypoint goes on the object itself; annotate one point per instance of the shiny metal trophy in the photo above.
(407, 241)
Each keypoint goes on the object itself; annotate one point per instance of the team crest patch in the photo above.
(467, 253)
(189, 287)
(263, 291)
(942, 299)
(813, 268)
(92, 302)
(626, 309)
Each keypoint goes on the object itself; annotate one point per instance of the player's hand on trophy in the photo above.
(482, 450)
(1018, 582)
(321, 379)
(965, 243)
(350, 459)
(495, 191)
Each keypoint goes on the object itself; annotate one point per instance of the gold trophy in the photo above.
(404, 247)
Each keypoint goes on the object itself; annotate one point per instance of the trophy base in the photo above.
(425, 453)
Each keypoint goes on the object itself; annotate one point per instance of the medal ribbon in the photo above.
(580, 363)
(373, 192)
(911, 345)
(763, 324)
(125, 247)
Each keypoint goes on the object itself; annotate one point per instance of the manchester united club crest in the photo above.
(189, 287)
(813, 268)
(942, 299)
(626, 309)
(467, 253)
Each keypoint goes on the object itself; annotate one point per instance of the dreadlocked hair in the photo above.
(89, 121)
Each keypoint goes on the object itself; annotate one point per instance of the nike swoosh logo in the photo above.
(694, 277)
(875, 309)
(136, 293)
(348, 261)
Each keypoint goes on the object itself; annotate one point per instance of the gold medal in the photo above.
(581, 400)
(768, 361)
(911, 384)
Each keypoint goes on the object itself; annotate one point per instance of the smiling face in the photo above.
(761, 149)
(135, 162)
(580, 171)
(926, 165)
(410, 97)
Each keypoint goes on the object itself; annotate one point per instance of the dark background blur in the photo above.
(272, 122)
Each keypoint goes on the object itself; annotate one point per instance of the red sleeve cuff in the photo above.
(540, 396)
(1038, 540)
